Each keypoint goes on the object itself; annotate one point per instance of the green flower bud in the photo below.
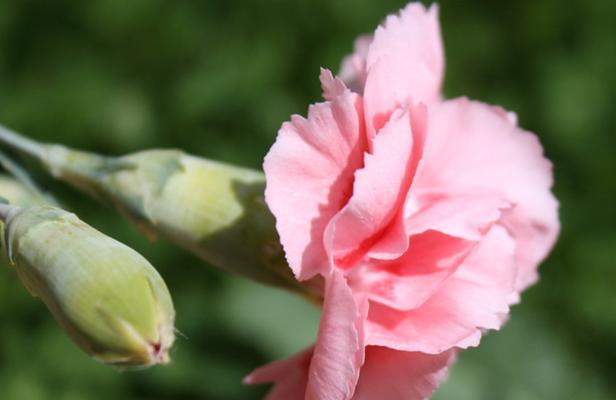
(18, 194)
(215, 210)
(107, 297)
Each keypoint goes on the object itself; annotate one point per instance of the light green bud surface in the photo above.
(16, 193)
(106, 296)
(215, 210)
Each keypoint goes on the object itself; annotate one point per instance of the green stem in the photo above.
(21, 144)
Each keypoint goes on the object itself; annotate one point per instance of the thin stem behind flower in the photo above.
(21, 144)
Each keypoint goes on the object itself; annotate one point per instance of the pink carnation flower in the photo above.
(425, 217)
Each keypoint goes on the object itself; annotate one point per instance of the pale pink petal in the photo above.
(407, 282)
(476, 148)
(339, 351)
(309, 173)
(353, 68)
(466, 216)
(393, 242)
(534, 239)
(378, 194)
(414, 34)
(380, 103)
(399, 375)
(474, 298)
(332, 86)
(289, 376)
(404, 64)
(330, 369)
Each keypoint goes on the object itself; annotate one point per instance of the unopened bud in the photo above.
(215, 210)
(107, 297)
(18, 194)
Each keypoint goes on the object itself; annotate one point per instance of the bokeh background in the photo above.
(217, 78)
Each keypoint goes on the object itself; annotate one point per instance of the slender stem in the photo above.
(21, 143)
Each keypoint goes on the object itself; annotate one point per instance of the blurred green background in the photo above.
(217, 78)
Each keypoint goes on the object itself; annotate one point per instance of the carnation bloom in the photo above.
(425, 217)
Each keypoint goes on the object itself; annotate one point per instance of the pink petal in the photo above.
(378, 194)
(309, 173)
(399, 375)
(534, 238)
(465, 216)
(405, 62)
(289, 376)
(474, 298)
(410, 280)
(353, 68)
(332, 86)
(393, 241)
(339, 351)
(414, 34)
(476, 148)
